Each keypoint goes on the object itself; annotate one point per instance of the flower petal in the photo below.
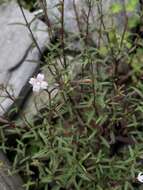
(32, 81)
(44, 85)
(140, 177)
(40, 77)
(36, 88)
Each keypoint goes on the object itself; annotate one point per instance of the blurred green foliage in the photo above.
(90, 136)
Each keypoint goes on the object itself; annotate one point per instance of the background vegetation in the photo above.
(89, 136)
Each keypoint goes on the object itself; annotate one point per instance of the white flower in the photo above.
(38, 83)
(140, 177)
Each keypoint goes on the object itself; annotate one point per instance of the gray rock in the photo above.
(8, 181)
(19, 60)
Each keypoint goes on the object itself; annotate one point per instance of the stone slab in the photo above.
(7, 181)
(18, 59)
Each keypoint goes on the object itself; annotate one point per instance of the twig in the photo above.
(28, 26)
(87, 21)
(77, 19)
(63, 33)
(43, 6)
(125, 26)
